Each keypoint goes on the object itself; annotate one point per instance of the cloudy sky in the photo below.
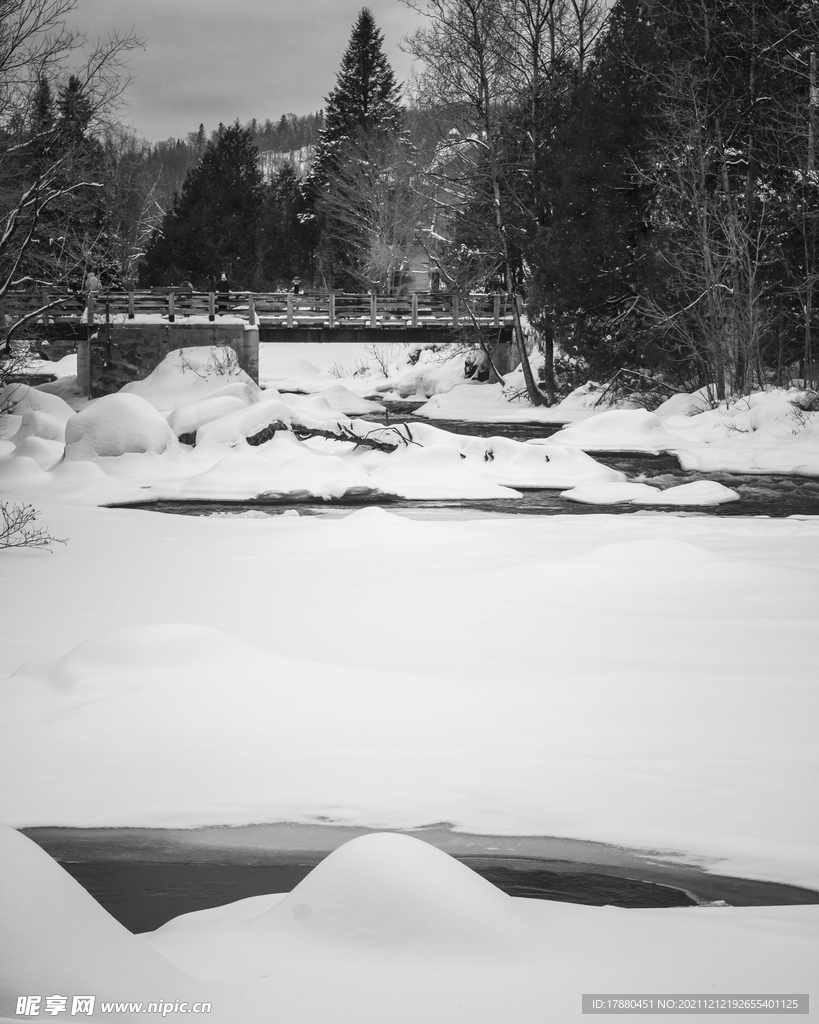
(215, 60)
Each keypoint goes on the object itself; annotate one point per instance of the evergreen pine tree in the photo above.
(74, 110)
(213, 224)
(363, 105)
(365, 98)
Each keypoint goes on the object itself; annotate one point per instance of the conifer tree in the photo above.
(363, 107)
(213, 223)
(365, 99)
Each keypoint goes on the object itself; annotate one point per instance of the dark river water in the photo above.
(773, 495)
(143, 896)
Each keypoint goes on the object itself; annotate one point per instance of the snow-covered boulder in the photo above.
(435, 472)
(234, 427)
(337, 399)
(427, 377)
(187, 419)
(116, 424)
(606, 493)
(36, 423)
(698, 492)
(631, 430)
(21, 398)
(189, 375)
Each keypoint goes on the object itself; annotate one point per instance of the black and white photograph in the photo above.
(409, 511)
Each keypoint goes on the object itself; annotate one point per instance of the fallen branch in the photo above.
(402, 438)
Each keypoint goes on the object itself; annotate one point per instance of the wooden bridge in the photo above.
(314, 310)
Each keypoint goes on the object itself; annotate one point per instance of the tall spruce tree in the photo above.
(212, 226)
(365, 99)
(364, 103)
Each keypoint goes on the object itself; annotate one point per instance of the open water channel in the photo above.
(769, 494)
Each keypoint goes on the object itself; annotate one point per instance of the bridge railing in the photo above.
(271, 309)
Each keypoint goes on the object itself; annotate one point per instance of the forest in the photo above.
(639, 180)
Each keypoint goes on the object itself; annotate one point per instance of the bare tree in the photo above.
(42, 165)
(487, 63)
(467, 75)
(373, 207)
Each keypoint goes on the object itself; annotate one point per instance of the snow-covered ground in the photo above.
(772, 431)
(126, 447)
(386, 928)
(643, 680)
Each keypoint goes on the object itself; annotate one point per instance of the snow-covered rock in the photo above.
(187, 419)
(236, 426)
(36, 423)
(633, 430)
(116, 424)
(21, 398)
(189, 375)
(435, 472)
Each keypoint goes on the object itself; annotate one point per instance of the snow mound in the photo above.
(65, 367)
(435, 472)
(248, 474)
(36, 423)
(21, 398)
(187, 419)
(632, 430)
(534, 466)
(117, 424)
(393, 890)
(341, 400)
(236, 426)
(683, 405)
(609, 493)
(463, 400)
(55, 937)
(698, 492)
(190, 374)
(381, 896)
(428, 378)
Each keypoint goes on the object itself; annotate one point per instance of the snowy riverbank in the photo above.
(641, 680)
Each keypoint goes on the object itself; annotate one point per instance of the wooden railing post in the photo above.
(331, 309)
(373, 309)
(289, 310)
(171, 315)
(130, 305)
(415, 309)
(211, 306)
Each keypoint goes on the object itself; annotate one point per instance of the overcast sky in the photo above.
(216, 60)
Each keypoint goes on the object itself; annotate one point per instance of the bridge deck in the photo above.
(325, 310)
